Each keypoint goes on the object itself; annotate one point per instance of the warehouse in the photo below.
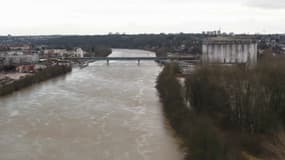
(229, 50)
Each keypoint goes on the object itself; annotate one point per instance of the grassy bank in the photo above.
(40, 76)
(234, 113)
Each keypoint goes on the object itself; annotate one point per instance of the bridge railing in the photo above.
(138, 59)
(132, 58)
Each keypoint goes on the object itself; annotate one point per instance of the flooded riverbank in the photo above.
(9, 85)
(99, 112)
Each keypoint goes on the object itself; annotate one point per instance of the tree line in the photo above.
(225, 112)
(186, 43)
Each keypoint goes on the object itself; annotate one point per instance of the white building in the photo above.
(229, 50)
(21, 59)
(20, 47)
(15, 53)
(55, 52)
(18, 58)
(79, 53)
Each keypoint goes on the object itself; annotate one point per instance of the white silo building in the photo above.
(229, 50)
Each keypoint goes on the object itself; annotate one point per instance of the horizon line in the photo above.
(118, 33)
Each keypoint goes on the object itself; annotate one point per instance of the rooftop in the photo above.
(229, 40)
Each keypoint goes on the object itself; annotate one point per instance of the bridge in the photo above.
(138, 59)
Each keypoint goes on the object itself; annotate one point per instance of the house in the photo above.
(63, 63)
(78, 52)
(20, 47)
(15, 53)
(30, 68)
(26, 69)
(39, 67)
(4, 47)
(55, 52)
(21, 59)
(282, 46)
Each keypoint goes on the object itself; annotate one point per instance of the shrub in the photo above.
(200, 138)
(248, 100)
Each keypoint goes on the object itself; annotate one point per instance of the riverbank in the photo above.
(227, 112)
(9, 85)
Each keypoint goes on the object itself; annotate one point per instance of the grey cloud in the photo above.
(267, 4)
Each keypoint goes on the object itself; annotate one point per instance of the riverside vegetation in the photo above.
(29, 80)
(227, 113)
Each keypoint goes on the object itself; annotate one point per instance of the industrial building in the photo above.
(229, 50)
(21, 59)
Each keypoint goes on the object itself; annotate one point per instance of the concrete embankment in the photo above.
(8, 85)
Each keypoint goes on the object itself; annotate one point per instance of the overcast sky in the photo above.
(26, 17)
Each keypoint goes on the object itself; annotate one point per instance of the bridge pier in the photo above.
(139, 62)
(108, 63)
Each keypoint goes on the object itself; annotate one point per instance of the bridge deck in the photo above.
(137, 58)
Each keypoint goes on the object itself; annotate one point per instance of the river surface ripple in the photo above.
(97, 113)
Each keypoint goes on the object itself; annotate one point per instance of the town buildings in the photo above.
(59, 53)
(21, 59)
(229, 50)
(53, 53)
(20, 47)
(30, 68)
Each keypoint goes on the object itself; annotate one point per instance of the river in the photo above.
(97, 113)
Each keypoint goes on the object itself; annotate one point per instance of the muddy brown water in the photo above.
(97, 113)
